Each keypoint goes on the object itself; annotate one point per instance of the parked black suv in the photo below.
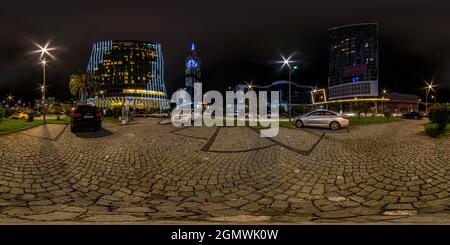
(86, 116)
(413, 115)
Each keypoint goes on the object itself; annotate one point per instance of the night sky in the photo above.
(236, 40)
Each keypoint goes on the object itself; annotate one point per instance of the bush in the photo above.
(2, 112)
(9, 112)
(30, 116)
(299, 109)
(153, 110)
(433, 130)
(108, 113)
(361, 108)
(440, 116)
(68, 112)
(116, 112)
(387, 113)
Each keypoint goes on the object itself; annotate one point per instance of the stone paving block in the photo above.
(144, 172)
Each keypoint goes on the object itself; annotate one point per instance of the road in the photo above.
(145, 172)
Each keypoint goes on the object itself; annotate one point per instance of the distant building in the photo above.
(51, 100)
(401, 103)
(130, 73)
(193, 70)
(300, 94)
(353, 61)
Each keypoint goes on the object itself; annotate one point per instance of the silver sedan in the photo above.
(322, 119)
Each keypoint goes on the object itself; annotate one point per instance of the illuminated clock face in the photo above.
(191, 63)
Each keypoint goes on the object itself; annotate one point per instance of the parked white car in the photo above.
(322, 119)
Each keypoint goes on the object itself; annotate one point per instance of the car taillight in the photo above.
(76, 114)
(98, 114)
(345, 117)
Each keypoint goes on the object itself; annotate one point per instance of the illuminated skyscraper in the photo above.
(193, 70)
(130, 73)
(353, 61)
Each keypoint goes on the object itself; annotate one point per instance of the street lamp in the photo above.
(44, 51)
(384, 95)
(434, 97)
(10, 98)
(287, 62)
(430, 87)
(249, 86)
(44, 64)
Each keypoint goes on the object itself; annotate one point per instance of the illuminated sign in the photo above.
(142, 91)
(355, 70)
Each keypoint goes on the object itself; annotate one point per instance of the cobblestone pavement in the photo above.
(146, 172)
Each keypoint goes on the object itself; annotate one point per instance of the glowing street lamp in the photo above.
(44, 64)
(250, 86)
(384, 95)
(287, 62)
(9, 98)
(429, 87)
(44, 51)
(434, 97)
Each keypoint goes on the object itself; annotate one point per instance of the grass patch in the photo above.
(287, 124)
(65, 120)
(111, 120)
(7, 124)
(371, 120)
(433, 130)
(353, 121)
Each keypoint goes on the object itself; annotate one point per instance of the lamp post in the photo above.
(287, 62)
(10, 98)
(43, 51)
(428, 88)
(384, 95)
(44, 64)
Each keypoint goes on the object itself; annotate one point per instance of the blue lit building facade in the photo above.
(130, 73)
(353, 61)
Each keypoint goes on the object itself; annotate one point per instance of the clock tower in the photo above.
(193, 70)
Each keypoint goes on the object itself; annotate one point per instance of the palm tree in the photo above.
(83, 85)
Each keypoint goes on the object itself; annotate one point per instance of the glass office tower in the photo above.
(129, 73)
(353, 61)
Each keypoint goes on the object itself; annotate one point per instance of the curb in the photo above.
(18, 130)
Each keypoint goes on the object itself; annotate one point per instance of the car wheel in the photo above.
(299, 124)
(335, 126)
